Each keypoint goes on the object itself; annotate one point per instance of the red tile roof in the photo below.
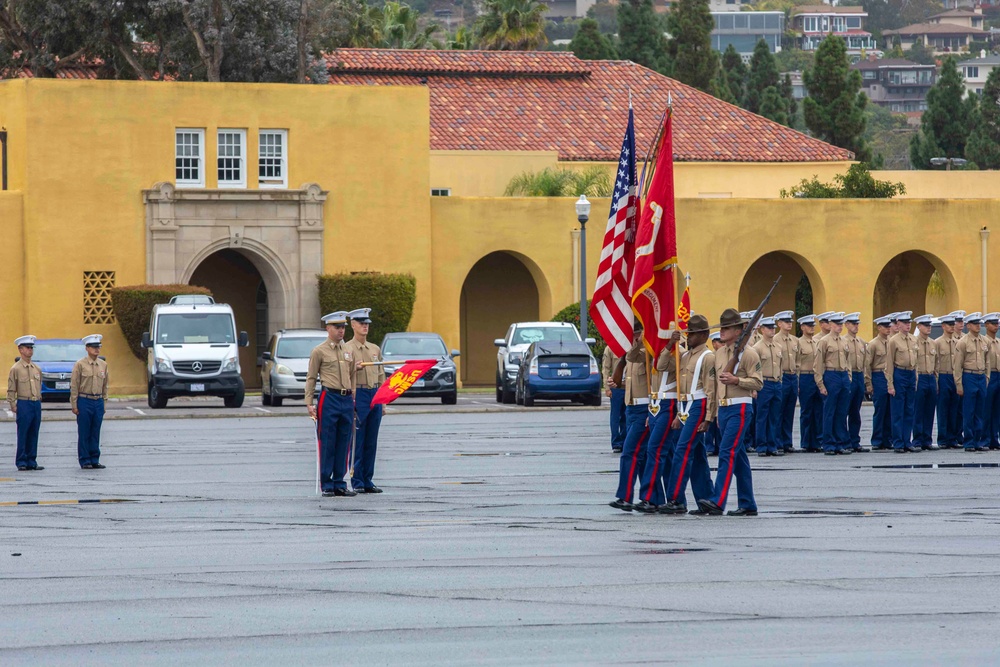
(552, 101)
(69, 72)
(935, 29)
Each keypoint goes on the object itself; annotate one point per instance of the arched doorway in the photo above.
(800, 289)
(916, 281)
(498, 291)
(235, 279)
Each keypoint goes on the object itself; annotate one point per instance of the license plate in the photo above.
(418, 383)
(62, 385)
(197, 387)
(564, 372)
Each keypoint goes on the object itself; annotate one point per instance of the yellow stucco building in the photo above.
(253, 189)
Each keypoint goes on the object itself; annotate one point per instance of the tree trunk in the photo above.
(301, 45)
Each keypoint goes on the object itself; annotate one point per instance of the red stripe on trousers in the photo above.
(635, 458)
(659, 449)
(687, 452)
(732, 455)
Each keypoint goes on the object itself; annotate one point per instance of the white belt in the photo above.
(640, 401)
(726, 402)
(696, 396)
(666, 395)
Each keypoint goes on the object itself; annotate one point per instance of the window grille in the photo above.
(97, 308)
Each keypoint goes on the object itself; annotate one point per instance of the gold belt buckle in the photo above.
(682, 416)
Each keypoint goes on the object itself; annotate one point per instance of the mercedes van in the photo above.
(193, 350)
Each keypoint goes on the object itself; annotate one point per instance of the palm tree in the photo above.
(463, 39)
(511, 25)
(395, 26)
(594, 181)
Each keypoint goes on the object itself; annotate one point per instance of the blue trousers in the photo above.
(768, 417)
(690, 460)
(903, 403)
(948, 414)
(659, 453)
(633, 458)
(366, 438)
(838, 400)
(88, 429)
(334, 422)
(29, 419)
(789, 394)
(993, 411)
(712, 437)
(973, 410)
(924, 407)
(734, 423)
(618, 428)
(882, 421)
(854, 410)
(810, 413)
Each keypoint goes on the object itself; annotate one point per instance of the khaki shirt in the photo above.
(901, 352)
(89, 379)
(770, 359)
(24, 383)
(875, 359)
(332, 365)
(926, 355)
(666, 364)
(636, 384)
(994, 355)
(747, 371)
(807, 354)
(608, 364)
(857, 349)
(370, 377)
(831, 355)
(789, 351)
(946, 353)
(706, 377)
(971, 355)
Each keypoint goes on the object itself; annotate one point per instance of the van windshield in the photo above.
(195, 328)
(298, 348)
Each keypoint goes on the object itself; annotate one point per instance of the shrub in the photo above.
(389, 295)
(571, 314)
(133, 306)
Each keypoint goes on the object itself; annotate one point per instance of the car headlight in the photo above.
(163, 365)
(281, 369)
(231, 364)
(515, 357)
(593, 366)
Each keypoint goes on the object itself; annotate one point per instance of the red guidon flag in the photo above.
(684, 310)
(656, 251)
(397, 383)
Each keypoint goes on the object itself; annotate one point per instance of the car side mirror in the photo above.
(244, 339)
(499, 342)
(146, 342)
(266, 356)
(455, 353)
(590, 341)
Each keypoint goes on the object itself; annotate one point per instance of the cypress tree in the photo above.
(589, 44)
(695, 62)
(763, 75)
(944, 126)
(640, 35)
(983, 147)
(720, 88)
(773, 105)
(734, 73)
(788, 92)
(835, 108)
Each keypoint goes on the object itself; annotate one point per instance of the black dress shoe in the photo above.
(645, 507)
(710, 508)
(780, 452)
(698, 512)
(862, 450)
(86, 466)
(912, 450)
(831, 453)
(22, 467)
(327, 493)
(971, 449)
(673, 508)
(899, 450)
(845, 451)
(616, 450)
(344, 492)
(984, 449)
(743, 511)
(620, 504)
(372, 489)
(37, 468)
(98, 466)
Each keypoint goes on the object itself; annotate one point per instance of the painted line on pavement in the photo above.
(137, 410)
(85, 501)
(263, 410)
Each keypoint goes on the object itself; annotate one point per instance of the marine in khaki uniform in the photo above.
(367, 380)
(810, 401)
(616, 395)
(972, 375)
(948, 414)
(24, 395)
(789, 345)
(991, 421)
(832, 374)
(660, 443)
(901, 378)
(768, 407)
(857, 349)
(925, 403)
(88, 390)
(960, 331)
(331, 366)
(824, 325)
(638, 386)
(876, 385)
(734, 393)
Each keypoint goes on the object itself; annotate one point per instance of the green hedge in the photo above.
(389, 295)
(571, 314)
(133, 306)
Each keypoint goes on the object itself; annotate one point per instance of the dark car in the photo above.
(558, 370)
(55, 357)
(441, 380)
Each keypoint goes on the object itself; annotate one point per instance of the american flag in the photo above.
(611, 308)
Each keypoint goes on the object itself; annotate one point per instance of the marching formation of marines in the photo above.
(701, 410)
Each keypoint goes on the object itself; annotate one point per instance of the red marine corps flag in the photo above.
(653, 291)
(401, 380)
(684, 309)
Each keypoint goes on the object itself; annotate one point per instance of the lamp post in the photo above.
(946, 162)
(583, 215)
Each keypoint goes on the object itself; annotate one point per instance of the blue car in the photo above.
(558, 370)
(56, 357)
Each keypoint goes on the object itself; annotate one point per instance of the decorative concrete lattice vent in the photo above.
(97, 307)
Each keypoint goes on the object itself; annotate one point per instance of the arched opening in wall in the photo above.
(800, 289)
(916, 281)
(498, 291)
(235, 279)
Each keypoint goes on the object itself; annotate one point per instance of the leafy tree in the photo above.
(640, 35)
(557, 182)
(794, 60)
(763, 75)
(511, 25)
(589, 44)
(606, 15)
(834, 109)
(889, 135)
(919, 53)
(944, 126)
(690, 25)
(857, 183)
(395, 26)
(983, 147)
(734, 74)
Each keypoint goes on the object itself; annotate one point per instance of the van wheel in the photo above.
(276, 400)
(528, 400)
(155, 398)
(236, 400)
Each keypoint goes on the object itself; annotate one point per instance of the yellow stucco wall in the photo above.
(484, 173)
(12, 261)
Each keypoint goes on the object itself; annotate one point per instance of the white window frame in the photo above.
(231, 183)
(189, 182)
(271, 182)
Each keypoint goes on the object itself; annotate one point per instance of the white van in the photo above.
(193, 350)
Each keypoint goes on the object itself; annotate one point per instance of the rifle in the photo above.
(744, 338)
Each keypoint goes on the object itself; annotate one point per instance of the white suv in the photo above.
(511, 348)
